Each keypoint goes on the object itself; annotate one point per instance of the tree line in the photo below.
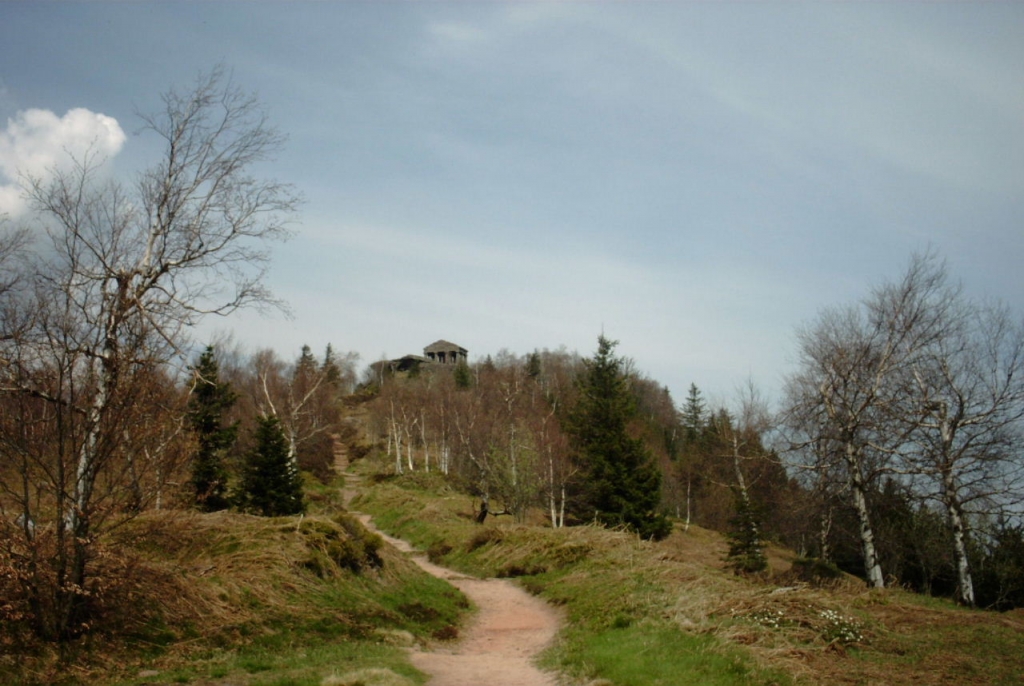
(894, 453)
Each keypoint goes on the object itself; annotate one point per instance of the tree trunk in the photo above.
(867, 536)
(964, 581)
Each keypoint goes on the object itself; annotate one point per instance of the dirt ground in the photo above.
(499, 645)
(509, 629)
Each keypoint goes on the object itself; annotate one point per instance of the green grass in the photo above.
(653, 655)
(295, 662)
(614, 600)
(670, 613)
(236, 598)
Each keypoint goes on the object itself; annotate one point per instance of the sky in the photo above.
(695, 180)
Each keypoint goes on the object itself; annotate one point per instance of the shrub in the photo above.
(815, 571)
(341, 543)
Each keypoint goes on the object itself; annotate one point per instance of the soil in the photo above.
(509, 629)
(499, 645)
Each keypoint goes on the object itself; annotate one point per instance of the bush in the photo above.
(815, 571)
(341, 543)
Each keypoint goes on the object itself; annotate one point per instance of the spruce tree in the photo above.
(620, 483)
(534, 366)
(330, 368)
(209, 401)
(693, 414)
(463, 375)
(746, 548)
(271, 485)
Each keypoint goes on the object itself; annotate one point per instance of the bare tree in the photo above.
(965, 404)
(120, 276)
(846, 390)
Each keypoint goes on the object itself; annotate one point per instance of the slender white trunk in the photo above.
(867, 537)
(552, 501)
(423, 441)
(824, 528)
(561, 508)
(689, 481)
(408, 451)
(85, 474)
(964, 581)
(398, 451)
(444, 456)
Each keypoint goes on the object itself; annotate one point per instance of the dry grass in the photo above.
(239, 595)
(839, 634)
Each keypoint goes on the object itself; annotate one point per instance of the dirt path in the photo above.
(501, 641)
(498, 647)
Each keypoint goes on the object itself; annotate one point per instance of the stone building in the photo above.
(445, 352)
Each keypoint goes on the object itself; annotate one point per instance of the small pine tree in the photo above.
(693, 414)
(463, 376)
(534, 366)
(746, 549)
(271, 484)
(209, 401)
(621, 485)
(331, 370)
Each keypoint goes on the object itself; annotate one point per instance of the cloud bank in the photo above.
(37, 141)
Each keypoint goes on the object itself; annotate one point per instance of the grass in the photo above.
(250, 601)
(635, 656)
(613, 596)
(259, 601)
(670, 613)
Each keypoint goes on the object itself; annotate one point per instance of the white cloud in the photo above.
(37, 141)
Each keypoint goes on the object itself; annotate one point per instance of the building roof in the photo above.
(443, 346)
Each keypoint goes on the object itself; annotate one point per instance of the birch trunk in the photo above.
(872, 568)
(964, 581)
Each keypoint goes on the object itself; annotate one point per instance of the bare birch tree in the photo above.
(120, 274)
(965, 404)
(846, 390)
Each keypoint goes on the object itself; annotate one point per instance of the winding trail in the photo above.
(509, 629)
(498, 647)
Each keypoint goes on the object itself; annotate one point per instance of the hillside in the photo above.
(225, 598)
(670, 613)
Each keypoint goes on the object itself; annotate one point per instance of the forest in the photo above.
(894, 454)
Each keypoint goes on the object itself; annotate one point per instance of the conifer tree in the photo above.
(693, 414)
(621, 485)
(534, 366)
(209, 401)
(463, 375)
(746, 548)
(271, 485)
(332, 373)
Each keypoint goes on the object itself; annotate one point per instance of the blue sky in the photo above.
(695, 179)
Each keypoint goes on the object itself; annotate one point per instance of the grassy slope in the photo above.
(228, 598)
(668, 613)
